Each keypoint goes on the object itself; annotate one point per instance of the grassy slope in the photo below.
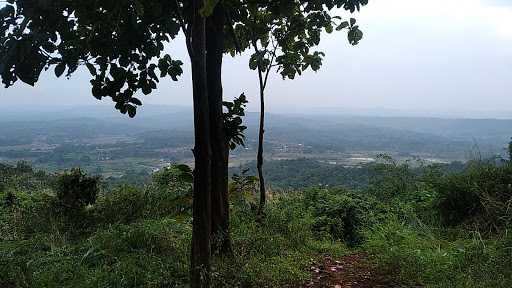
(123, 241)
(140, 237)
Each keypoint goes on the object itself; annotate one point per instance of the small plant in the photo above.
(124, 204)
(174, 176)
(171, 191)
(9, 199)
(390, 178)
(233, 121)
(243, 188)
(75, 190)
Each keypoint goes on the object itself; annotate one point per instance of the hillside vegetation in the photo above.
(427, 227)
(98, 142)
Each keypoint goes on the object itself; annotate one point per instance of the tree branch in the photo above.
(270, 66)
(184, 28)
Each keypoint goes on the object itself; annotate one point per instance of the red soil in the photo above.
(350, 271)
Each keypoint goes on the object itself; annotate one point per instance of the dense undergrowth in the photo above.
(433, 229)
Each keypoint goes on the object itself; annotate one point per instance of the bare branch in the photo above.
(271, 64)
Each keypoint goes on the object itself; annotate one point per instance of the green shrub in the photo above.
(339, 214)
(144, 254)
(170, 192)
(8, 199)
(124, 204)
(75, 190)
(140, 237)
(458, 200)
(175, 177)
(162, 202)
(276, 252)
(30, 214)
(22, 178)
(422, 256)
(391, 179)
(481, 197)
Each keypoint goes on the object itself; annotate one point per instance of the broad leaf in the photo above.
(59, 69)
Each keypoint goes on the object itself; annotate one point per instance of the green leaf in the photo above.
(185, 173)
(355, 35)
(7, 11)
(117, 72)
(122, 108)
(59, 69)
(146, 88)
(352, 21)
(124, 62)
(183, 168)
(135, 101)
(342, 26)
(97, 92)
(253, 62)
(132, 110)
(329, 28)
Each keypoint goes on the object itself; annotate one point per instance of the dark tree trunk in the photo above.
(259, 158)
(221, 241)
(201, 225)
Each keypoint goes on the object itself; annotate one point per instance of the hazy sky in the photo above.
(416, 55)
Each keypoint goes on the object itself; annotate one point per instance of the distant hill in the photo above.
(157, 128)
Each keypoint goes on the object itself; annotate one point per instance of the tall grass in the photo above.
(139, 237)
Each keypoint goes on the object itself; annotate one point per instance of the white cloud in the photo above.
(443, 14)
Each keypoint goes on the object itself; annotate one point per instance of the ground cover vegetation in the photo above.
(433, 228)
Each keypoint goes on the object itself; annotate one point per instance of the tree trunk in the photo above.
(259, 159)
(221, 241)
(201, 225)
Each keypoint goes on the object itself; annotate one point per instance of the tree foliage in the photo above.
(120, 42)
(282, 35)
(288, 31)
(233, 121)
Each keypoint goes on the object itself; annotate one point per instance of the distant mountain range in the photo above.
(324, 132)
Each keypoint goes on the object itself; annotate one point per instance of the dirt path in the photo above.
(350, 271)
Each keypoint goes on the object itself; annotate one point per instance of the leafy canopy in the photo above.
(121, 42)
(285, 33)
